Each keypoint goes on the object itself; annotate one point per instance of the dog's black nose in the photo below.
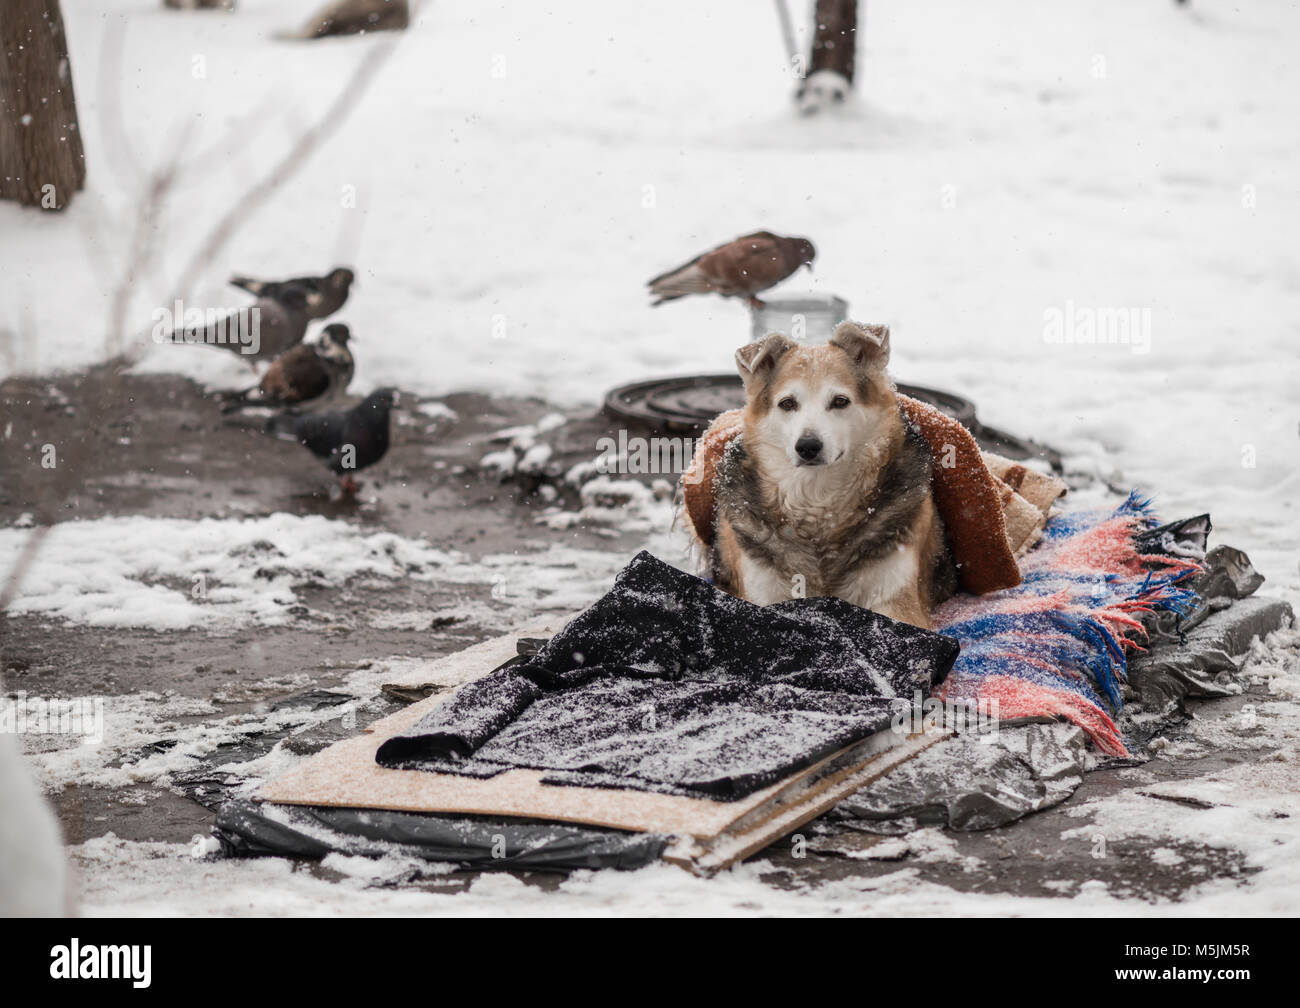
(808, 447)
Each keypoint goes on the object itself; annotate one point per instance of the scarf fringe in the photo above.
(1057, 645)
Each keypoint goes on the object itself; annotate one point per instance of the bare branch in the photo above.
(243, 208)
(112, 127)
(26, 557)
(143, 246)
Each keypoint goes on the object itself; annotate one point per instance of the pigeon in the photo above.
(264, 330)
(305, 377)
(346, 441)
(740, 268)
(325, 295)
(349, 17)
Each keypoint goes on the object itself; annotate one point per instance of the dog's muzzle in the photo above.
(809, 449)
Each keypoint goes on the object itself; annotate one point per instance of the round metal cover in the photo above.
(690, 403)
(687, 405)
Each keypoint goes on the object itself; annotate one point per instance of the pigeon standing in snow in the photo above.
(325, 295)
(740, 268)
(346, 441)
(305, 377)
(350, 17)
(263, 330)
(822, 90)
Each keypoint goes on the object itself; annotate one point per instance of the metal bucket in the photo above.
(810, 318)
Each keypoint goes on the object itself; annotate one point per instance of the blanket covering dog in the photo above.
(992, 509)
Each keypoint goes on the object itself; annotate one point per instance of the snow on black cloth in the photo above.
(668, 684)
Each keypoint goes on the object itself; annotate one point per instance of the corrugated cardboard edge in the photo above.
(705, 857)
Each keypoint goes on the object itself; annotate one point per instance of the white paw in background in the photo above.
(33, 870)
(823, 90)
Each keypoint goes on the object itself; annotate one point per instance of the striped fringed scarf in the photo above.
(1055, 645)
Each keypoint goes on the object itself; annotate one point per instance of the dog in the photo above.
(827, 489)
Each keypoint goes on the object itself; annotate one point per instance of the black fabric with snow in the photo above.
(668, 684)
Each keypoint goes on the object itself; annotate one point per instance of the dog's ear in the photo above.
(757, 361)
(866, 345)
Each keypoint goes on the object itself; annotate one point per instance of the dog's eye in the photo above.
(788, 404)
(840, 402)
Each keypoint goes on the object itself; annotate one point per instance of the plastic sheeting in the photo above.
(247, 829)
(983, 781)
(973, 782)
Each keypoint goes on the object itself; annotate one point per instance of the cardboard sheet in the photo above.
(710, 833)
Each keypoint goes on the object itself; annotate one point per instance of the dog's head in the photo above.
(809, 407)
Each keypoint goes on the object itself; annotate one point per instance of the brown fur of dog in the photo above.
(857, 519)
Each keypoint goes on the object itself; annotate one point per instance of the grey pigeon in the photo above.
(345, 441)
(325, 295)
(263, 330)
(305, 377)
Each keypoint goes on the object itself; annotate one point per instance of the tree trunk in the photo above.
(835, 37)
(41, 159)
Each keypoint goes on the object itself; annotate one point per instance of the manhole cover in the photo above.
(688, 405)
(691, 403)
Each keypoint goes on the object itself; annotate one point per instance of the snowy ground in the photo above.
(518, 174)
(1245, 813)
